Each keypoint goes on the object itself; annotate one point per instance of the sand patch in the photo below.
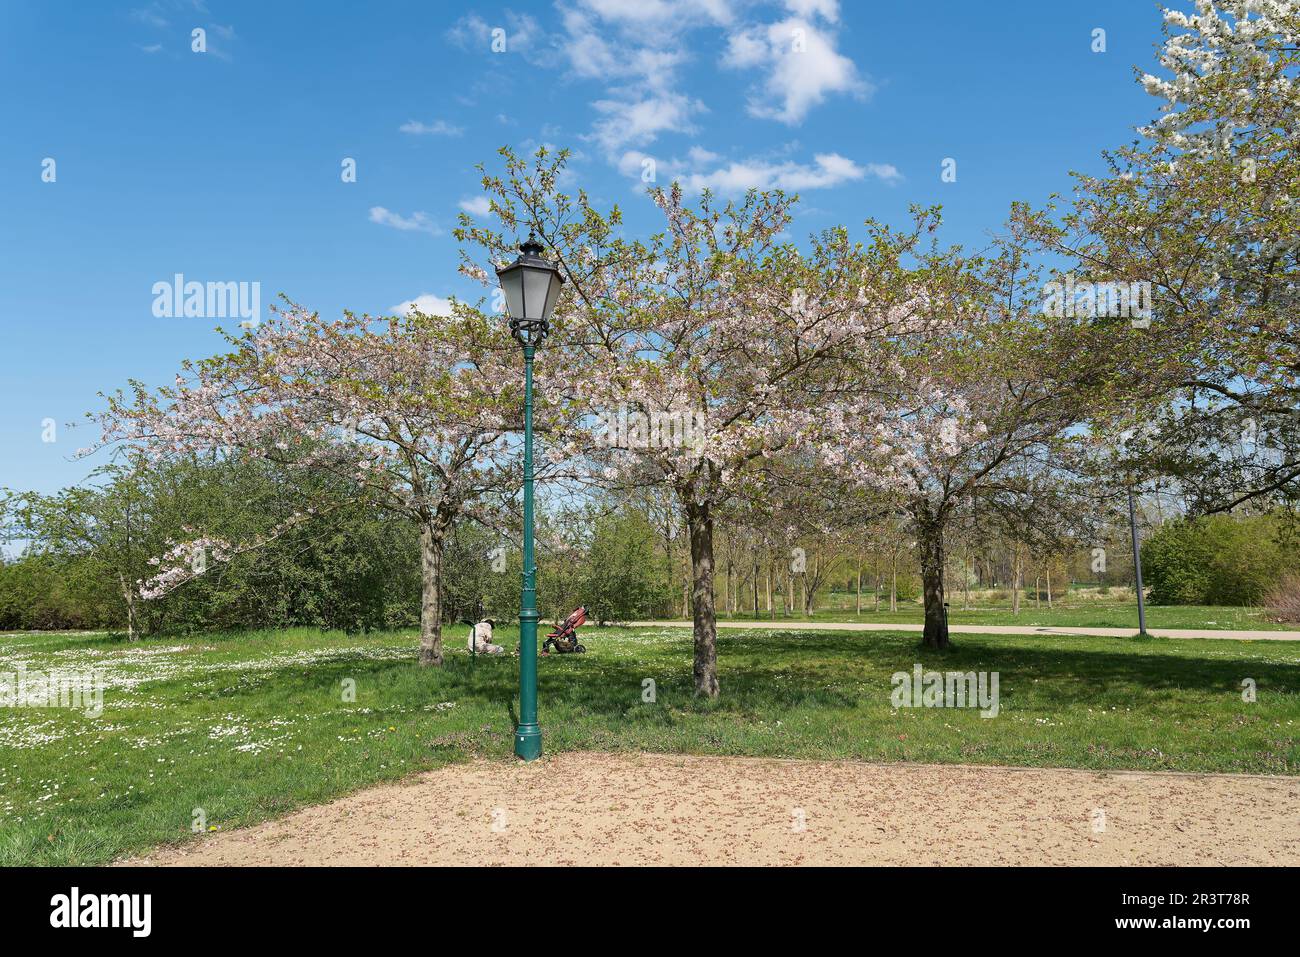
(638, 809)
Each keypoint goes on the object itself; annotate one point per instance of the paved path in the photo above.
(674, 809)
(789, 625)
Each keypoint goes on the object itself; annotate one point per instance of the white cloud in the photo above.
(151, 15)
(636, 48)
(745, 49)
(588, 51)
(639, 121)
(829, 9)
(157, 14)
(220, 39)
(436, 128)
(827, 169)
(701, 170)
(426, 303)
(469, 31)
(700, 156)
(476, 205)
(802, 66)
(886, 172)
(521, 33)
(656, 22)
(605, 42)
(417, 222)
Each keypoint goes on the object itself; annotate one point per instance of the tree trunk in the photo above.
(965, 585)
(875, 595)
(756, 588)
(771, 610)
(700, 523)
(858, 602)
(1038, 592)
(1015, 581)
(929, 539)
(668, 563)
(893, 584)
(128, 596)
(430, 596)
(1048, 571)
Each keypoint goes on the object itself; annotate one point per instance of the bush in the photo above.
(39, 592)
(909, 587)
(1283, 601)
(623, 577)
(1216, 560)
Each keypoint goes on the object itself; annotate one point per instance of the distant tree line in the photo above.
(78, 558)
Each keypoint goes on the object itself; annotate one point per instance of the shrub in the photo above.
(1216, 560)
(909, 587)
(1283, 600)
(622, 577)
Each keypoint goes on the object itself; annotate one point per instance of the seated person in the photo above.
(480, 639)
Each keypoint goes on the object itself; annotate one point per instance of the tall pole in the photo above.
(528, 735)
(1137, 563)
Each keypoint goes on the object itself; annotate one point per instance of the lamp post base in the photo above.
(528, 742)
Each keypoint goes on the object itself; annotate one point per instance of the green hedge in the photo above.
(1219, 559)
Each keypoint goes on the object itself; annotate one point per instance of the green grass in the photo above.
(1086, 614)
(248, 726)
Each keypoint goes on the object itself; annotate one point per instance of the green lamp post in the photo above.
(1137, 565)
(531, 286)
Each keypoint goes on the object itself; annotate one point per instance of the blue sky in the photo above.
(224, 165)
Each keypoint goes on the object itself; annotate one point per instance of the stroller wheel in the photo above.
(580, 649)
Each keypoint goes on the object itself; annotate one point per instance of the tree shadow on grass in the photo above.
(1128, 661)
(762, 677)
(763, 674)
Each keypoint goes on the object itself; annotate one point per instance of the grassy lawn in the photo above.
(250, 725)
(1088, 614)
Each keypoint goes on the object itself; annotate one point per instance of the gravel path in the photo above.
(991, 629)
(630, 809)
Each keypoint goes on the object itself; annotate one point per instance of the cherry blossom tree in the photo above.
(979, 400)
(690, 351)
(1203, 209)
(418, 409)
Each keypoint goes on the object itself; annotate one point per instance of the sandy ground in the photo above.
(789, 625)
(630, 809)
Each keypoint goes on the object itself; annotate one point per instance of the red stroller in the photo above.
(564, 639)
